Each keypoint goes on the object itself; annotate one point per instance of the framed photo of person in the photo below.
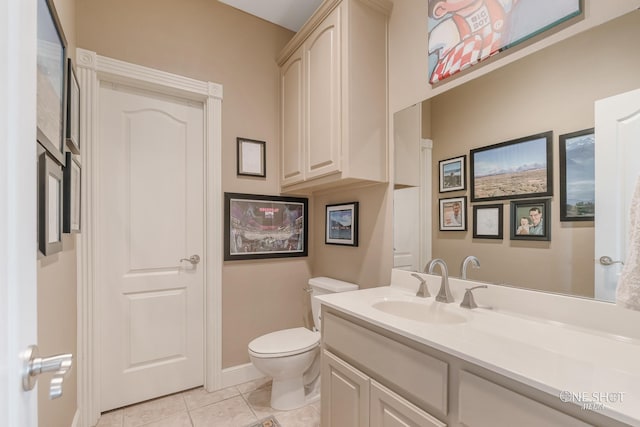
(453, 214)
(452, 174)
(531, 219)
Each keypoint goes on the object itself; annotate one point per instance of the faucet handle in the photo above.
(468, 301)
(423, 291)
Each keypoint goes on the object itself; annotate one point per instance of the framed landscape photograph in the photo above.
(71, 195)
(50, 74)
(487, 221)
(341, 224)
(530, 220)
(260, 226)
(73, 110)
(515, 169)
(453, 214)
(452, 174)
(577, 176)
(49, 205)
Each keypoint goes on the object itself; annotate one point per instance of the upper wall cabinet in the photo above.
(333, 82)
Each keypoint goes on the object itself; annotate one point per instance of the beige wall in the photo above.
(553, 89)
(207, 40)
(57, 310)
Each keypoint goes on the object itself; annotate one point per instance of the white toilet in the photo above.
(291, 357)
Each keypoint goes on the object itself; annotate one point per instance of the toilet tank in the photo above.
(322, 286)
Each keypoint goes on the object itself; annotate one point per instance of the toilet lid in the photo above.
(285, 342)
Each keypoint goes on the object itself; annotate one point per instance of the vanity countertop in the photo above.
(573, 363)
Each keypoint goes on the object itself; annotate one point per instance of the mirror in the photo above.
(553, 89)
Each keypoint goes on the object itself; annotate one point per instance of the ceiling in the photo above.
(290, 14)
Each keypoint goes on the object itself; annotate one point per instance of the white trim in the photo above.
(240, 374)
(424, 254)
(76, 419)
(92, 69)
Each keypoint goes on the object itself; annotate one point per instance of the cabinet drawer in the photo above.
(486, 404)
(390, 410)
(416, 375)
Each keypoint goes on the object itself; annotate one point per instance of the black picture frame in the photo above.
(251, 157)
(50, 190)
(51, 81)
(577, 175)
(516, 169)
(262, 226)
(488, 221)
(450, 219)
(72, 176)
(73, 110)
(341, 224)
(453, 174)
(521, 211)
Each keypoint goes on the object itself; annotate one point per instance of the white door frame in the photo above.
(92, 69)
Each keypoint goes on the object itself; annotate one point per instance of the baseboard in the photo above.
(240, 374)
(76, 419)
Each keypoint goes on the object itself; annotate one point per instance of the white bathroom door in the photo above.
(150, 203)
(617, 154)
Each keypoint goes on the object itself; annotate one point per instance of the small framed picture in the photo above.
(71, 195)
(49, 205)
(487, 221)
(251, 157)
(341, 224)
(577, 176)
(530, 220)
(453, 214)
(73, 110)
(452, 174)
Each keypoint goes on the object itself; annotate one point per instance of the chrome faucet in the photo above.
(475, 263)
(444, 294)
(423, 291)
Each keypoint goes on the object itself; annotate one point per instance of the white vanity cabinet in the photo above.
(333, 82)
(372, 376)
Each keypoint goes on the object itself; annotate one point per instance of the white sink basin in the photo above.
(421, 312)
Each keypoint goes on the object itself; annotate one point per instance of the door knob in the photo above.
(35, 365)
(607, 260)
(193, 259)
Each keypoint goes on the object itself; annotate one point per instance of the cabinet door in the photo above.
(345, 394)
(390, 410)
(323, 101)
(291, 113)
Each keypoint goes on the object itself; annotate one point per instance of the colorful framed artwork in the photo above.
(464, 33)
(487, 221)
(577, 176)
(452, 174)
(341, 224)
(530, 219)
(515, 169)
(251, 157)
(51, 66)
(259, 226)
(453, 214)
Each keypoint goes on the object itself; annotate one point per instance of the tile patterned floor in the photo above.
(237, 406)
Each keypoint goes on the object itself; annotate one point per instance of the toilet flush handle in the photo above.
(308, 289)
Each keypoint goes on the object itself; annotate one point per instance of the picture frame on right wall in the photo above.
(577, 175)
(531, 219)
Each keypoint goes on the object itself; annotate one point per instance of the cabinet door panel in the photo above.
(345, 394)
(291, 152)
(390, 410)
(323, 131)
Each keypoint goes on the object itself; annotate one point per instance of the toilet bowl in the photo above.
(291, 357)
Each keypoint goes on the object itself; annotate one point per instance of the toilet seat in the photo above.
(287, 342)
